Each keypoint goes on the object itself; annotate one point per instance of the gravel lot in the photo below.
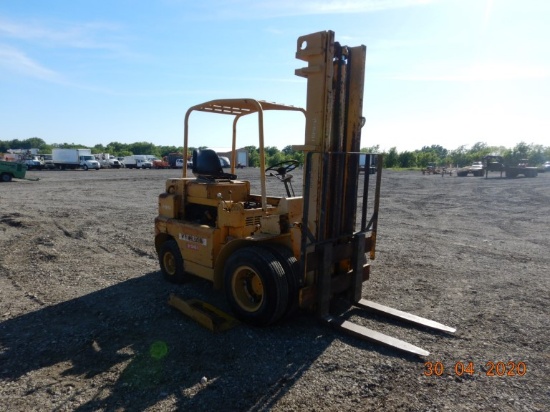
(85, 325)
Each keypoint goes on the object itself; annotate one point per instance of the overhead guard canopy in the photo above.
(239, 108)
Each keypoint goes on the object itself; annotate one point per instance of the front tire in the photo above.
(171, 262)
(255, 286)
(291, 267)
(6, 177)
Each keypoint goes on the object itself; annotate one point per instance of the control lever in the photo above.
(219, 196)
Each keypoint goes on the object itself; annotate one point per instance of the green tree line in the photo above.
(461, 156)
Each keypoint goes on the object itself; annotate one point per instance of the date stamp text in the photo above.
(491, 368)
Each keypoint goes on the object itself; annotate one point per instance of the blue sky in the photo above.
(447, 72)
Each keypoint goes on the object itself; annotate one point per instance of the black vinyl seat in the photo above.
(206, 165)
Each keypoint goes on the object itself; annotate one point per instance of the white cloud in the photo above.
(26, 44)
(82, 35)
(17, 61)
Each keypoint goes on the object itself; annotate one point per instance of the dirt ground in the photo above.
(85, 325)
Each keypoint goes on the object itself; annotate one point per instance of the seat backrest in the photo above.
(206, 164)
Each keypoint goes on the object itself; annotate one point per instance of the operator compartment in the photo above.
(188, 198)
(249, 219)
(227, 205)
(210, 193)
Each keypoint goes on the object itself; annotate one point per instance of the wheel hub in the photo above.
(248, 289)
(170, 264)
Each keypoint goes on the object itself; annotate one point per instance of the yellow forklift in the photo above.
(273, 255)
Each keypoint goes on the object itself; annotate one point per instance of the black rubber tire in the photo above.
(171, 262)
(256, 287)
(85, 167)
(291, 266)
(6, 177)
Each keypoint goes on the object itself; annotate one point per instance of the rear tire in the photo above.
(256, 286)
(6, 177)
(171, 262)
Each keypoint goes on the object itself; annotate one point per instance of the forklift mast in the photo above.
(335, 76)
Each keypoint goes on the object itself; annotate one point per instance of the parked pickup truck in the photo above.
(475, 169)
(34, 162)
(108, 161)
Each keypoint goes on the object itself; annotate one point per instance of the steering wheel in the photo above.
(282, 168)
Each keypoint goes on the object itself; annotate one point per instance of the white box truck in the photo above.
(74, 159)
(137, 162)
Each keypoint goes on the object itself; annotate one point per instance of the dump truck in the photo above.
(11, 170)
(274, 255)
